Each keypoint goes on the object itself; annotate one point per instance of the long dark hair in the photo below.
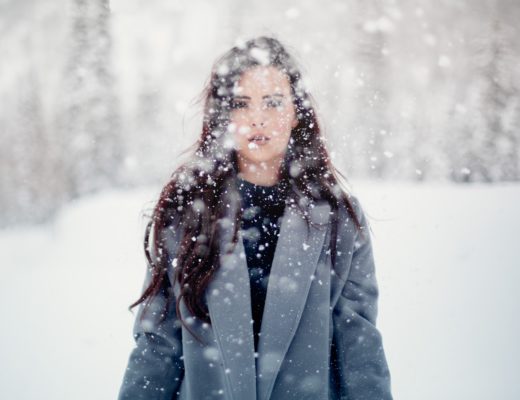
(200, 190)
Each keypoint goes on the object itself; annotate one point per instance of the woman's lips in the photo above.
(258, 140)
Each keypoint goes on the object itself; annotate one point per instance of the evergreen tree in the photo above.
(88, 121)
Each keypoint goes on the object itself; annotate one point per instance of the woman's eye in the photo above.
(238, 104)
(275, 104)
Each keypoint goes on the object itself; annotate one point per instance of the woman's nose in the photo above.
(257, 118)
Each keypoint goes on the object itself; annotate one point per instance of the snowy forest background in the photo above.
(420, 104)
(100, 95)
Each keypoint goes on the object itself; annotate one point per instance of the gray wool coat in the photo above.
(318, 336)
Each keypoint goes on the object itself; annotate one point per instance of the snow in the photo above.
(446, 262)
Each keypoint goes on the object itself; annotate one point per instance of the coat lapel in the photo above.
(229, 303)
(295, 260)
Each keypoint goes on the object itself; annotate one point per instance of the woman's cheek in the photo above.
(241, 132)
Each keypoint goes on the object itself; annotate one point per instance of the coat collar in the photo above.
(229, 302)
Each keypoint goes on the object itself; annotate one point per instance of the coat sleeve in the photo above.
(155, 367)
(358, 347)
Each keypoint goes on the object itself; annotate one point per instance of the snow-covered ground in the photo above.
(447, 262)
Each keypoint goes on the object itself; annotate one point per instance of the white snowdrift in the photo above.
(447, 262)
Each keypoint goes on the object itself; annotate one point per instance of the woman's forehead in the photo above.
(267, 78)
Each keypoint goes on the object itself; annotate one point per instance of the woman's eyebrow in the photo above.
(263, 97)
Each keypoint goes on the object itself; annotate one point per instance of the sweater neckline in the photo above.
(260, 195)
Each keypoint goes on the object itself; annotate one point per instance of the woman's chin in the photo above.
(260, 159)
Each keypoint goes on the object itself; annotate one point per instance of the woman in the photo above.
(261, 282)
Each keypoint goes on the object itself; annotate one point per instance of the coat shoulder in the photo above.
(347, 217)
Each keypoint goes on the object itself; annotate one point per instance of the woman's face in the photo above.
(262, 118)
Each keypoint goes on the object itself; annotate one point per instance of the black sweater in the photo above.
(262, 209)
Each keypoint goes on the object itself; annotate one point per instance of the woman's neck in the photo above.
(259, 174)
